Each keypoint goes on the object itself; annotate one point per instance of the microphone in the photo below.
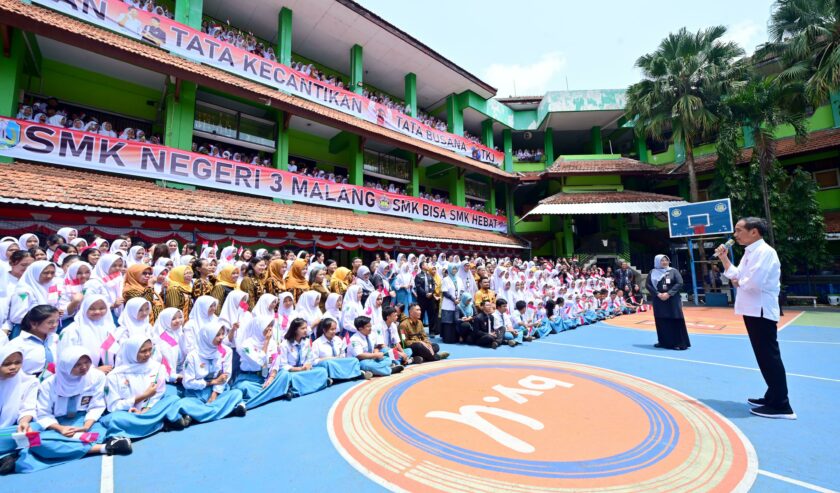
(728, 245)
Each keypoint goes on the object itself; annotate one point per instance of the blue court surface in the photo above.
(285, 446)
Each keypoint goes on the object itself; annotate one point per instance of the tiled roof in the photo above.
(621, 165)
(817, 141)
(43, 21)
(52, 186)
(832, 222)
(607, 197)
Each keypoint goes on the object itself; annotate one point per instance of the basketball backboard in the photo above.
(713, 217)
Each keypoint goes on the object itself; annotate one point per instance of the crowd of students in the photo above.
(104, 342)
(50, 112)
(150, 6)
(529, 155)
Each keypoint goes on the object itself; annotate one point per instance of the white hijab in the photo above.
(232, 309)
(130, 323)
(128, 358)
(658, 271)
(307, 308)
(29, 284)
(93, 333)
(112, 285)
(331, 307)
(351, 307)
(67, 385)
(12, 390)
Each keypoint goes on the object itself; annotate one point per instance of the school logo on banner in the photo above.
(524, 425)
(9, 133)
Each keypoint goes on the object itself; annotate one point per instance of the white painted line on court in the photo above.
(106, 477)
(803, 484)
(732, 337)
(682, 359)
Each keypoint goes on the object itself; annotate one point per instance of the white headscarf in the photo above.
(67, 385)
(132, 255)
(364, 283)
(253, 334)
(232, 309)
(128, 358)
(111, 285)
(176, 255)
(65, 233)
(24, 238)
(307, 308)
(29, 284)
(262, 308)
(658, 271)
(331, 307)
(130, 324)
(92, 333)
(205, 347)
(13, 390)
(164, 321)
(351, 307)
(115, 246)
(374, 312)
(199, 312)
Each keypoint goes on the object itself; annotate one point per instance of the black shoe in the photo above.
(186, 420)
(494, 345)
(176, 425)
(660, 346)
(7, 464)
(118, 446)
(528, 338)
(774, 413)
(416, 360)
(239, 411)
(680, 348)
(396, 369)
(757, 402)
(288, 396)
(441, 355)
(329, 382)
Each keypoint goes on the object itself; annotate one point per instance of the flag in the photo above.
(222, 350)
(347, 338)
(56, 256)
(395, 355)
(27, 440)
(89, 437)
(165, 363)
(239, 252)
(244, 305)
(108, 342)
(168, 339)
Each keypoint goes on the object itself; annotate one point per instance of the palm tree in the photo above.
(679, 97)
(805, 36)
(760, 107)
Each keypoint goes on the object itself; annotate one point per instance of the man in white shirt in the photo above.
(757, 279)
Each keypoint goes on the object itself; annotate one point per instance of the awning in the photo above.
(607, 202)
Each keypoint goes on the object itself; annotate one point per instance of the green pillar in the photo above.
(507, 138)
(596, 140)
(457, 187)
(284, 36)
(180, 101)
(357, 69)
(189, 12)
(180, 115)
(623, 233)
(487, 133)
(414, 184)
(281, 154)
(568, 239)
(411, 93)
(11, 82)
(490, 205)
(454, 115)
(509, 212)
(548, 145)
(356, 170)
(641, 148)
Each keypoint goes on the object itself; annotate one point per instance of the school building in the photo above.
(321, 125)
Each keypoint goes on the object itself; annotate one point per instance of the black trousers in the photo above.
(430, 308)
(763, 333)
(420, 349)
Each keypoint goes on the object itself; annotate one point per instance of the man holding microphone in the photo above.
(757, 279)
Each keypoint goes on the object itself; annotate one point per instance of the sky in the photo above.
(528, 47)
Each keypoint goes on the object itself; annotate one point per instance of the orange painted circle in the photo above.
(524, 425)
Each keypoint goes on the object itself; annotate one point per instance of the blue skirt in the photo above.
(252, 389)
(341, 368)
(194, 404)
(7, 443)
(405, 297)
(56, 448)
(309, 381)
(544, 329)
(133, 425)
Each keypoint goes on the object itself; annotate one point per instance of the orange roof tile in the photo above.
(832, 222)
(607, 197)
(52, 186)
(817, 141)
(43, 21)
(623, 165)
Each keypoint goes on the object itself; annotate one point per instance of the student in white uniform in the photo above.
(351, 307)
(207, 369)
(38, 341)
(202, 314)
(70, 404)
(330, 353)
(393, 341)
(134, 320)
(18, 399)
(365, 348)
(93, 327)
(169, 347)
(136, 394)
(36, 287)
(258, 378)
(297, 358)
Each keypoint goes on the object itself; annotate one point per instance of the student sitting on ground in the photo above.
(416, 338)
(297, 358)
(485, 333)
(330, 353)
(368, 351)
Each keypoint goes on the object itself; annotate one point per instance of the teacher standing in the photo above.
(664, 284)
(757, 279)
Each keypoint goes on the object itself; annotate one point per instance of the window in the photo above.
(386, 166)
(703, 195)
(476, 190)
(827, 178)
(234, 127)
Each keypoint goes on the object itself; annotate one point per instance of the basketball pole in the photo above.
(693, 270)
